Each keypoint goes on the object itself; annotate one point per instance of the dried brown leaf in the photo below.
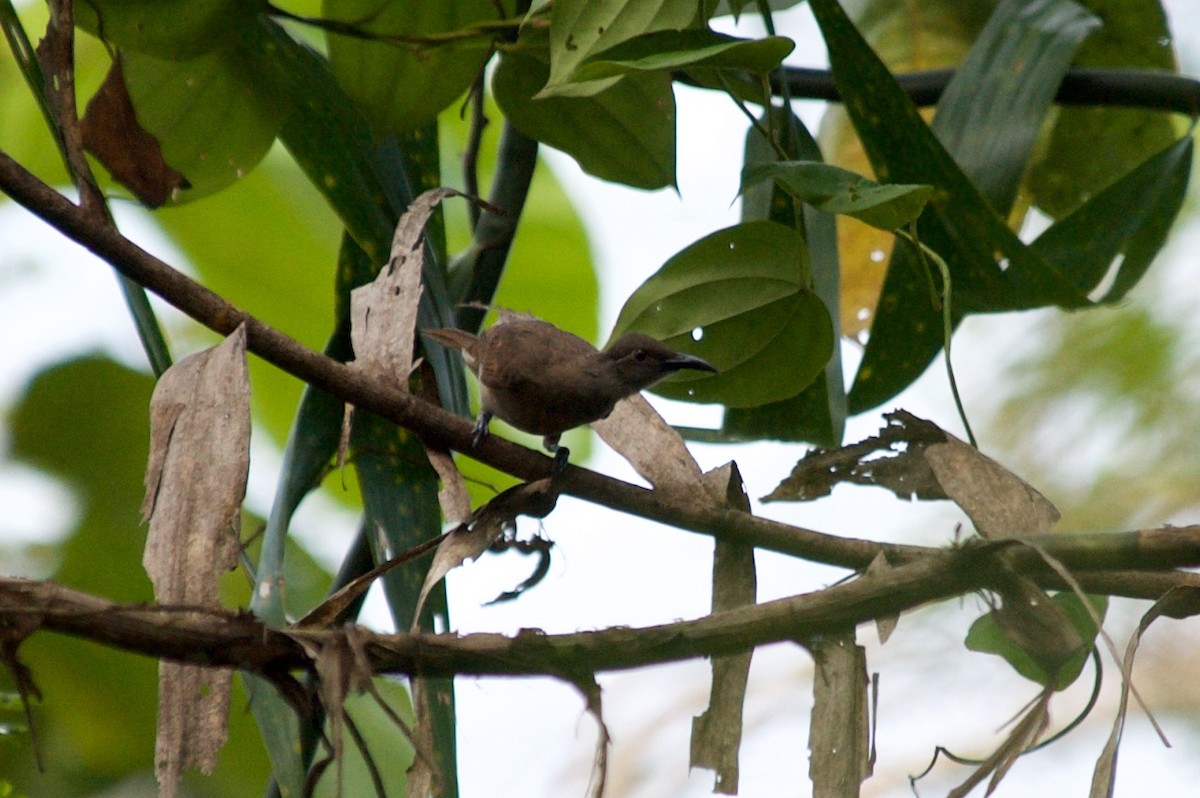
(453, 497)
(591, 694)
(839, 734)
(1023, 736)
(133, 157)
(468, 541)
(424, 780)
(1178, 603)
(892, 459)
(884, 625)
(195, 481)
(383, 313)
(637, 432)
(998, 502)
(717, 732)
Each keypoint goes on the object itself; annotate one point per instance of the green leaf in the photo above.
(991, 269)
(987, 635)
(835, 190)
(390, 749)
(1131, 217)
(739, 290)
(169, 29)
(990, 116)
(625, 133)
(667, 50)
(582, 28)
(280, 274)
(818, 413)
(364, 183)
(1136, 34)
(403, 88)
(212, 115)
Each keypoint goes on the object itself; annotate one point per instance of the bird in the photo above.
(545, 381)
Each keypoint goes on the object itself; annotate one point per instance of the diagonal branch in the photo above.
(1157, 549)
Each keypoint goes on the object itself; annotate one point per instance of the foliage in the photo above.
(290, 140)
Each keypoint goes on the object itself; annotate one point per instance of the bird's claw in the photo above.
(481, 429)
(560, 460)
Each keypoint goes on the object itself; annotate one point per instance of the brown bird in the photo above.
(544, 380)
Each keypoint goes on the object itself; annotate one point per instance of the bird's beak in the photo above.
(681, 361)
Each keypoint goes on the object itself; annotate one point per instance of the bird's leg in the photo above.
(561, 454)
(481, 427)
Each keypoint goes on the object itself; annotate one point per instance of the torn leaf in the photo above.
(839, 734)
(195, 483)
(915, 459)
(383, 313)
(453, 497)
(469, 540)
(892, 459)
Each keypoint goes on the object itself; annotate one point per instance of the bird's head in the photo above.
(639, 361)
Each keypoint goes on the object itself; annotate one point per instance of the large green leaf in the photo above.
(818, 413)
(990, 116)
(1088, 241)
(404, 87)
(987, 635)
(625, 133)
(736, 298)
(168, 29)
(211, 114)
(1068, 171)
(835, 190)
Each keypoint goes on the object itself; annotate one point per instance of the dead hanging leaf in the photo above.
(637, 432)
(333, 611)
(914, 458)
(1180, 602)
(467, 541)
(839, 733)
(998, 502)
(195, 483)
(133, 157)
(591, 694)
(383, 313)
(717, 732)
(453, 497)
(892, 459)
(1024, 735)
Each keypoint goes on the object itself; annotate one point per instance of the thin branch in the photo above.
(1128, 88)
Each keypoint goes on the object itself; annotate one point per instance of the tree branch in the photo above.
(223, 639)
(1147, 549)
(1126, 88)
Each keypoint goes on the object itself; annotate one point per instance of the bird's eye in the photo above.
(639, 355)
